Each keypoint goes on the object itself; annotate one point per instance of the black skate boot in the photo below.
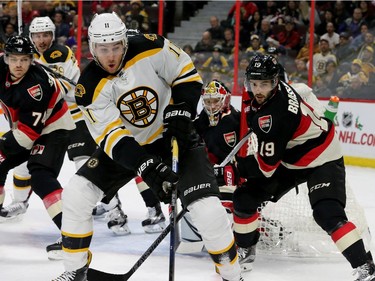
(246, 257)
(76, 275)
(155, 221)
(118, 221)
(366, 272)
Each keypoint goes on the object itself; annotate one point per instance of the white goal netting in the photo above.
(288, 228)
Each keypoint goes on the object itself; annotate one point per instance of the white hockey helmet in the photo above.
(107, 28)
(42, 24)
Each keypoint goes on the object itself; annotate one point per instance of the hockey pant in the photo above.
(327, 197)
(44, 161)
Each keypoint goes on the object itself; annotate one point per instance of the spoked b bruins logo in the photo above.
(139, 106)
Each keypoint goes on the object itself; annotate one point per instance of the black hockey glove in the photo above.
(227, 175)
(178, 124)
(159, 177)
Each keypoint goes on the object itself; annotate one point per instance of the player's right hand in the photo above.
(159, 177)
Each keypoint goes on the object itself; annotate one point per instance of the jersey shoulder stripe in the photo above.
(92, 77)
(141, 43)
(57, 54)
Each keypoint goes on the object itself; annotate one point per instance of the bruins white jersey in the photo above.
(155, 73)
(61, 60)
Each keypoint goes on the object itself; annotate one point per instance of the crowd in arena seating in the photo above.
(343, 61)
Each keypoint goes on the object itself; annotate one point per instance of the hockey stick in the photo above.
(97, 275)
(172, 215)
(57, 75)
(236, 149)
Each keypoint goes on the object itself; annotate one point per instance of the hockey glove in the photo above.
(178, 124)
(227, 175)
(159, 177)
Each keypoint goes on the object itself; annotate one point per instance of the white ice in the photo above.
(23, 256)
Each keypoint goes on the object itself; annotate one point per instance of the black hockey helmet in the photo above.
(19, 45)
(263, 67)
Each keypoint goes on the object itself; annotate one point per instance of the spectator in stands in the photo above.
(11, 16)
(357, 89)
(342, 51)
(301, 74)
(216, 30)
(27, 10)
(62, 28)
(368, 10)
(270, 10)
(340, 15)
(289, 38)
(327, 18)
(304, 52)
(265, 31)
(369, 42)
(292, 10)
(332, 37)
(197, 59)
(48, 9)
(9, 31)
(255, 46)
(332, 75)
(320, 59)
(353, 23)
(248, 8)
(255, 21)
(320, 88)
(216, 62)
(228, 43)
(206, 43)
(357, 42)
(355, 71)
(137, 18)
(367, 58)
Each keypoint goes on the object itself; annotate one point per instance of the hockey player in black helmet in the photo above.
(295, 145)
(40, 124)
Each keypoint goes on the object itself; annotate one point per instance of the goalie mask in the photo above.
(107, 28)
(216, 99)
(42, 24)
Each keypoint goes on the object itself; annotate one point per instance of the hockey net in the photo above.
(288, 229)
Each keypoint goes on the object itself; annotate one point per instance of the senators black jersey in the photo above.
(290, 133)
(33, 105)
(219, 139)
(126, 109)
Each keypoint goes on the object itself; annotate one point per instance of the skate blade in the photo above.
(17, 218)
(120, 230)
(190, 247)
(55, 255)
(155, 228)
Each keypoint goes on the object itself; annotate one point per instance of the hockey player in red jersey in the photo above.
(133, 116)
(294, 145)
(40, 123)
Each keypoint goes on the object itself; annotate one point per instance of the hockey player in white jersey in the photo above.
(132, 116)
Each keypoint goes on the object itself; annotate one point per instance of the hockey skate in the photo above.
(155, 221)
(366, 272)
(76, 275)
(118, 221)
(99, 210)
(13, 211)
(246, 257)
(54, 251)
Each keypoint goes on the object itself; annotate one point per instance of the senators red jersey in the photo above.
(290, 133)
(33, 105)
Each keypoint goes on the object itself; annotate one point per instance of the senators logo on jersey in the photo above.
(139, 106)
(36, 92)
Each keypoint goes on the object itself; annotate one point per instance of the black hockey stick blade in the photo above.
(97, 275)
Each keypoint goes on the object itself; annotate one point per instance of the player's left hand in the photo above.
(227, 175)
(178, 124)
